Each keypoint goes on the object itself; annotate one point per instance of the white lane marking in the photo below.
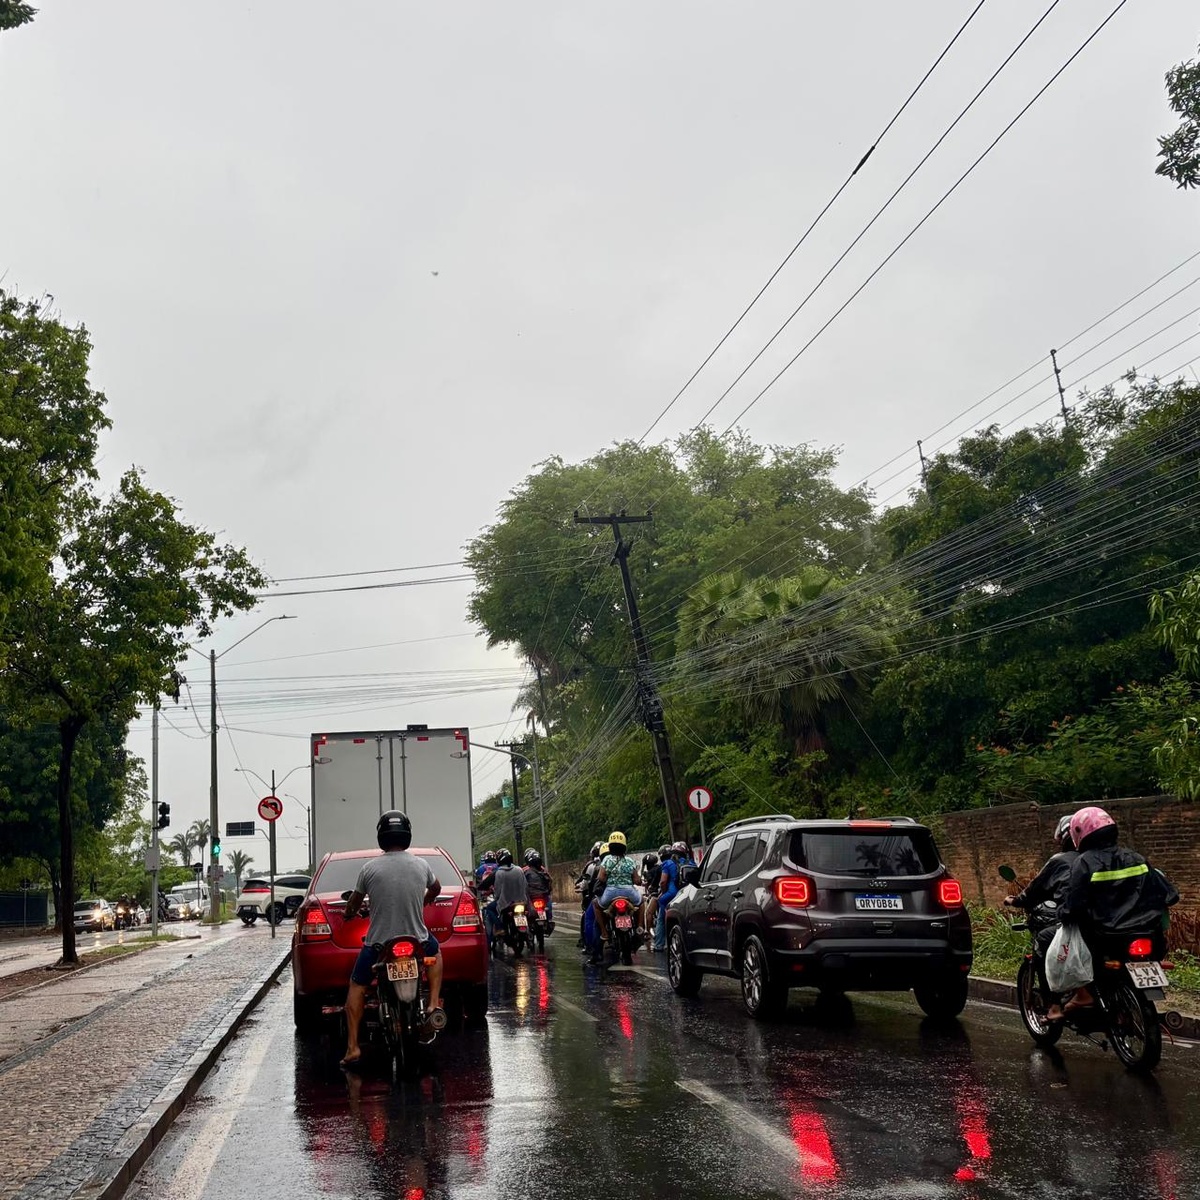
(208, 1139)
(559, 1002)
(648, 972)
(747, 1122)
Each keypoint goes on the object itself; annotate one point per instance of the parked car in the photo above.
(254, 900)
(837, 905)
(94, 914)
(325, 945)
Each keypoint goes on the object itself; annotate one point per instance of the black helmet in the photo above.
(663, 851)
(680, 848)
(394, 830)
(504, 857)
(533, 858)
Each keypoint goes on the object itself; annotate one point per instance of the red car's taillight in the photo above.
(466, 916)
(313, 923)
(794, 890)
(950, 893)
(1141, 948)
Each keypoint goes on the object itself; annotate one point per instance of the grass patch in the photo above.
(127, 948)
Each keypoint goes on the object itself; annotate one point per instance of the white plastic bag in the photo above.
(1068, 961)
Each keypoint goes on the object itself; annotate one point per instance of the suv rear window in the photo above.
(865, 852)
(340, 874)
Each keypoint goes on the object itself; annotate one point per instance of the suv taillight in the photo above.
(313, 923)
(794, 891)
(466, 916)
(950, 893)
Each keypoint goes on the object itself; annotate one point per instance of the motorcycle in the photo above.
(401, 985)
(514, 930)
(1129, 980)
(541, 925)
(626, 936)
(123, 918)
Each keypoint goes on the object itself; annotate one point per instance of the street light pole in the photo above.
(532, 764)
(214, 892)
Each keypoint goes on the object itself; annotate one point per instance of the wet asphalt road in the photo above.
(580, 1077)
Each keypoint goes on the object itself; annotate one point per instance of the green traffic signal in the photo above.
(216, 847)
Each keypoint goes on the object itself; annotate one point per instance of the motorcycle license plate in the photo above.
(624, 922)
(879, 903)
(1147, 975)
(521, 922)
(404, 968)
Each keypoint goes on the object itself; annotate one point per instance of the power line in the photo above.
(862, 162)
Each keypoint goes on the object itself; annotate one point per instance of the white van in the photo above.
(187, 901)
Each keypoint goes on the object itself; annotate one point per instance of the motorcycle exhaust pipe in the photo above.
(1172, 1020)
(437, 1019)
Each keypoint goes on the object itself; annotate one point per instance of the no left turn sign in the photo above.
(700, 799)
(270, 808)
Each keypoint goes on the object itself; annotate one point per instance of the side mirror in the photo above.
(1007, 874)
(691, 877)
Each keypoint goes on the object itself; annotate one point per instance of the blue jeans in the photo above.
(612, 891)
(369, 955)
(491, 918)
(590, 936)
(660, 928)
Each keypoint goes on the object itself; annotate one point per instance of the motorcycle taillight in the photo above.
(1141, 948)
(540, 905)
(403, 950)
(621, 904)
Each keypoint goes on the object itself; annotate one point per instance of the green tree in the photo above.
(132, 583)
(50, 423)
(786, 650)
(14, 13)
(104, 781)
(199, 834)
(239, 860)
(1180, 149)
(181, 844)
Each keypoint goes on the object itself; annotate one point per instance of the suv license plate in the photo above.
(1147, 975)
(405, 968)
(879, 903)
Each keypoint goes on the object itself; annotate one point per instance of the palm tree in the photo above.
(181, 844)
(787, 651)
(239, 860)
(199, 834)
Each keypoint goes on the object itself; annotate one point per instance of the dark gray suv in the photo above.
(836, 905)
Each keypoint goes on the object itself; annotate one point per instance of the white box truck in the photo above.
(423, 772)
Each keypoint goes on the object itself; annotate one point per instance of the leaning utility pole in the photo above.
(649, 701)
(512, 758)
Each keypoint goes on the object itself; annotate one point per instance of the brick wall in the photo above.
(974, 843)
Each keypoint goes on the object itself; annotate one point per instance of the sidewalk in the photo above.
(85, 1058)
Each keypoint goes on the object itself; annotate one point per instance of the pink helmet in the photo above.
(1086, 821)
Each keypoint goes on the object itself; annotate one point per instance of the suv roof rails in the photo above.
(905, 820)
(758, 820)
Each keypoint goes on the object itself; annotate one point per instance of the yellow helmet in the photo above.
(616, 838)
(603, 847)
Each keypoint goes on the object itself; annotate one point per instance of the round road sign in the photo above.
(270, 808)
(700, 799)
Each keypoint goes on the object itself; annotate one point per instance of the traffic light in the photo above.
(164, 815)
(216, 845)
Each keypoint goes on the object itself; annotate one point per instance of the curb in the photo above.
(998, 991)
(119, 1168)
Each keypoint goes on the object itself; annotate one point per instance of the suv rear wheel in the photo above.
(685, 979)
(944, 997)
(763, 997)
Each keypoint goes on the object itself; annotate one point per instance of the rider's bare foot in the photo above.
(1055, 1013)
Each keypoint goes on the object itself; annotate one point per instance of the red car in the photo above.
(325, 945)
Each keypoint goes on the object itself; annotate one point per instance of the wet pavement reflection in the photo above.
(581, 1076)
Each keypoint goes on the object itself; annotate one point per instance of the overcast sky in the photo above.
(352, 270)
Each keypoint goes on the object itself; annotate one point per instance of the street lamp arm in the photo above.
(498, 750)
(287, 617)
